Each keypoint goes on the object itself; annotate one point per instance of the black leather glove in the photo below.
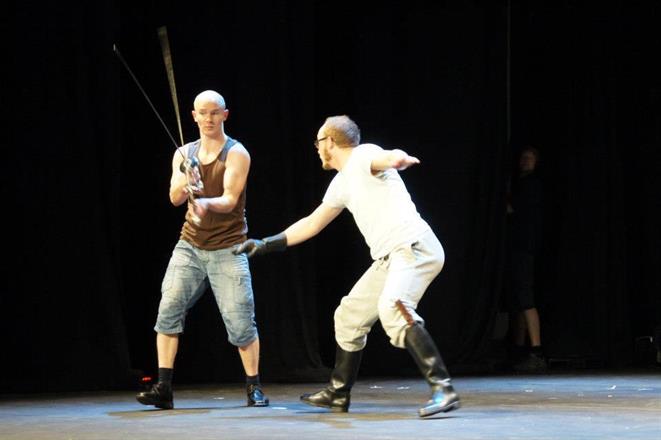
(260, 247)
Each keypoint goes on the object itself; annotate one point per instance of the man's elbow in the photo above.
(177, 199)
(229, 207)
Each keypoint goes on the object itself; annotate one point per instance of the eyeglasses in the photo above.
(316, 142)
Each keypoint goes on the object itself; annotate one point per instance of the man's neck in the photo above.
(212, 143)
(342, 157)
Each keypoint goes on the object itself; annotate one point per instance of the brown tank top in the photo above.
(216, 230)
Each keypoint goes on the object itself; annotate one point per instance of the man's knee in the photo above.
(437, 267)
(349, 334)
(394, 323)
(242, 330)
(171, 315)
(390, 313)
(244, 339)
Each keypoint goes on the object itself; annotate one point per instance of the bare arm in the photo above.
(396, 159)
(178, 181)
(305, 228)
(237, 166)
(309, 226)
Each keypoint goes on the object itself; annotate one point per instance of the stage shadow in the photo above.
(156, 412)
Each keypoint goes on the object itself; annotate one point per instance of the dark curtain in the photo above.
(63, 325)
(90, 228)
(586, 94)
(429, 78)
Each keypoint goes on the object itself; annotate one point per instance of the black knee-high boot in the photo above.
(337, 395)
(421, 346)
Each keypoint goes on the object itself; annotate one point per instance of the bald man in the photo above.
(215, 224)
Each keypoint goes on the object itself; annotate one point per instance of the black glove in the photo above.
(260, 247)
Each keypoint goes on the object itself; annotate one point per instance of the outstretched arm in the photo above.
(396, 159)
(309, 226)
(302, 230)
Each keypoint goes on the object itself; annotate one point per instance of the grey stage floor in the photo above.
(566, 406)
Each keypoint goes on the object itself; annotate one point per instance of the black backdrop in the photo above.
(89, 228)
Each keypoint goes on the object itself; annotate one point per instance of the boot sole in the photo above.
(435, 409)
(161, 405)
(332, 408)
(258, 404)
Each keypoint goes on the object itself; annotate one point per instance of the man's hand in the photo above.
(402, 161)
(259, 247)
(397, 159)
(189, 164)
(200, 207)
(250, 247)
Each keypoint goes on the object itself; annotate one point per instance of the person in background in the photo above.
(525, 229)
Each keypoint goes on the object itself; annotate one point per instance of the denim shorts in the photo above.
(186, 278)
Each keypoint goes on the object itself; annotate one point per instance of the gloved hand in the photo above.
(259, 247)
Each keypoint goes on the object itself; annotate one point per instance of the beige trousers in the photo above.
(404, 275)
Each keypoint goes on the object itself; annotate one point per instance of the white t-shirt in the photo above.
(380, 203)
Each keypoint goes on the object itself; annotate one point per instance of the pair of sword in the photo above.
(190, 165)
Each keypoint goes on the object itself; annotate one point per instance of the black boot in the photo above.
(337, 395)
(421, 346)
(256, 395)
(160, 395)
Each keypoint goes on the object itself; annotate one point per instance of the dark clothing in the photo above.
(216, 230)
(525, 231)
(521, 281)
(526, 218)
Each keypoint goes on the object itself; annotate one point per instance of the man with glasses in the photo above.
(407, 257)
